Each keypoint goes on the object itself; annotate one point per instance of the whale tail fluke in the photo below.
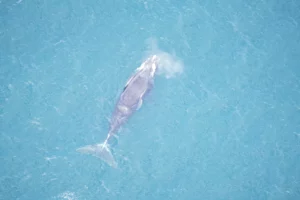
(101, 151)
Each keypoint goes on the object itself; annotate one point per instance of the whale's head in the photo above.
(149, 66)
(154, 62)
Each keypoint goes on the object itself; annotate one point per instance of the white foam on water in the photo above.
(67, 195)
(169, 65)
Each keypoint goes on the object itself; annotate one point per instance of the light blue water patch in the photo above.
(228, 127)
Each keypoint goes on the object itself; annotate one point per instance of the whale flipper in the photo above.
(101, 151)
(139, 104)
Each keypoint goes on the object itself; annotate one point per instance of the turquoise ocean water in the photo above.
(227, 127)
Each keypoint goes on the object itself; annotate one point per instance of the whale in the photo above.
(129, 101)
